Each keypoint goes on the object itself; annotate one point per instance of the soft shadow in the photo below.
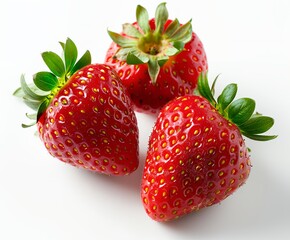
(262, 206)
(128, 183)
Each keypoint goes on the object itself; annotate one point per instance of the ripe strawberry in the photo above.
(197, 156)
(157, 60)
(83, 116)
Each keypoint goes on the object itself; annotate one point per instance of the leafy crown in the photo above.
(151, 46)
(239, 111)
(46, 85)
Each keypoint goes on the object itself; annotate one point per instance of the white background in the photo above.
(247, 41)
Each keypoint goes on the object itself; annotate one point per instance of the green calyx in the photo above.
(46, 85)
(239, 111)
(146, 45)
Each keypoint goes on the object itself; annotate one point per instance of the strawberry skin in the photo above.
(196, 156)
(90, 123)
(156, 60)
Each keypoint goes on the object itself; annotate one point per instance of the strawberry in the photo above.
(84, 116)
(157, 59)
(197, 155)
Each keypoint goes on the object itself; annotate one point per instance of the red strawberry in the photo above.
(84, 116)
(197, 156)
(157, 60)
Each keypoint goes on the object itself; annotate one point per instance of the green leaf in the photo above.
(54, 63)
(45, 81)
(241, 110)
(161, 16)
(28, 125)
(212, 89)
(204, 89)
(153, 69)
(133, 59)
(141, 55)
(143, 19)
(172, 27)
(179, 45)
(33, 104)
(19, 93)
(162, 60)
(260, 137)
(183, 33)
(70, 54)
(41, 109)
(31, 116)
(227, 96)
(38, 91)
(131, 31)
(122, 40)
(28, 92)
(257, 124)
(122, 53)
(62, 45)
(82, 62)
(137, 57)
(171, 51)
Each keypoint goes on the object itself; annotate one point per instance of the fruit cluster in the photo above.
(85, 115)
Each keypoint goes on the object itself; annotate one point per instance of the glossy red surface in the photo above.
(196, 158)
(90, 123)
